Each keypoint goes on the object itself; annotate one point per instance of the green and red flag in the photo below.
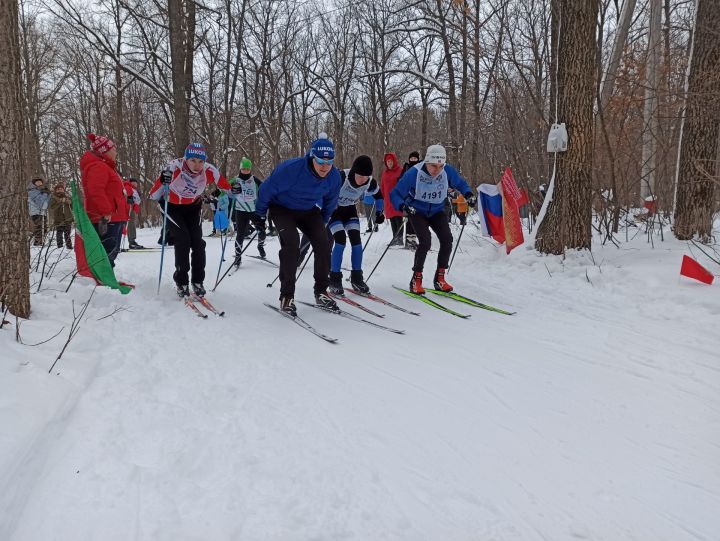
(92, 259)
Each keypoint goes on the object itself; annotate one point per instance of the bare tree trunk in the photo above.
(14, 246)
(621, 35)
(181, 15)
(568, 220)
(698, 167)
(650, 111)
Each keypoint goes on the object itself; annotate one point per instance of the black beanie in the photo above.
(362, 166)
(414, 154)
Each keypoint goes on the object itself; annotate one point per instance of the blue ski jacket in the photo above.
(404, 192)
(294, 184)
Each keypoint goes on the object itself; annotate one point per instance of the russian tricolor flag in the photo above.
(491, 212)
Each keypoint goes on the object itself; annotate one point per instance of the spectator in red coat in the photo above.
(390, 175)
(105, 197)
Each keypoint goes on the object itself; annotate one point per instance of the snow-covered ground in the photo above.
(593, 413)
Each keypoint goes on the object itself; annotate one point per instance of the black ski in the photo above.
(353, 317)
(265, 260)
(304, 324)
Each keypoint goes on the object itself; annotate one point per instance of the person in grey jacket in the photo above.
(38, 200)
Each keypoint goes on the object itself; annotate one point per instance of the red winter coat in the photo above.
(103, 187)
(131, 201)
(388, 180)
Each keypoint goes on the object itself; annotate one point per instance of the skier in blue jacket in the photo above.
(302, 193)
(420, 194)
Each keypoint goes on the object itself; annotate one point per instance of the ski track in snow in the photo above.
(594, 413)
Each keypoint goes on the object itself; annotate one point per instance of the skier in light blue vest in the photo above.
(245, 188)
(345, 223)
(421, 193)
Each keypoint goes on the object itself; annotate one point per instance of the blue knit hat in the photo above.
(322, 148)
(195, 150)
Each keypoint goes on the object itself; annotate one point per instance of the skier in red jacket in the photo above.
(105, 197)
(183, 182)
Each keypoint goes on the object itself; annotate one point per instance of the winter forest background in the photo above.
(262, 77)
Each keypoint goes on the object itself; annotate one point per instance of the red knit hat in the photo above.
(100, 143)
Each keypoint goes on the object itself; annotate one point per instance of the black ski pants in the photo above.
(422, 224)
(310, 223)
(242, 220)
(187, 233)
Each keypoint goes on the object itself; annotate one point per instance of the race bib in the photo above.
(187, 186)
(431, 189)
(249, 191)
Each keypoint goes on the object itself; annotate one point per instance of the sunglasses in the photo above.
(321, 161)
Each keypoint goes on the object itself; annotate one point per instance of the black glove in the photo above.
(166, 177)
(130, 200)
(45, 190)
(236, 188)
(409, 210)
(260, 224)
(379, 217)
(102, 226)
(471, 199)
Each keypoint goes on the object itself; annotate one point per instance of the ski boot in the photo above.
(416, 283)
(439, 281)
(287, 306)
(326, 303)
(411, 242)
(261, 251)
(357, 282)
(183, 291)
(198, 289)
(336, 287)
(136, 246)
(237, 261)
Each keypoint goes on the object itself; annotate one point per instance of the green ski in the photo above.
(471, 302)
(431, 303)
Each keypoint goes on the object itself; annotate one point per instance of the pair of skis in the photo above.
(310, 328)
(192, 302)
(454, 296)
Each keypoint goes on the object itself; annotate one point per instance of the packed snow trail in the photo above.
(592, 413)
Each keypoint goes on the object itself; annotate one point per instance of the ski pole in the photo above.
(400, 230)
(305, 245)
(164, 232)
(303, 267)
(372, 229)
(456, 247)
(231, 266)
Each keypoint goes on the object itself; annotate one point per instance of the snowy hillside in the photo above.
(593, 413)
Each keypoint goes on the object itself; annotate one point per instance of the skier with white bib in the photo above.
(420, 194)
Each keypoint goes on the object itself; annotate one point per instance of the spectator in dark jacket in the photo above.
(61, 215)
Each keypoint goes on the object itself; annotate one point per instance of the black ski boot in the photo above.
(287, 306)
(261, 251)
(238, 260)
(198, 289)
(182, 291)
(336, 287)
(326, 303)
(357, 282)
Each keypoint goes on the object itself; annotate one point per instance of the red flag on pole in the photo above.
(693, 269)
